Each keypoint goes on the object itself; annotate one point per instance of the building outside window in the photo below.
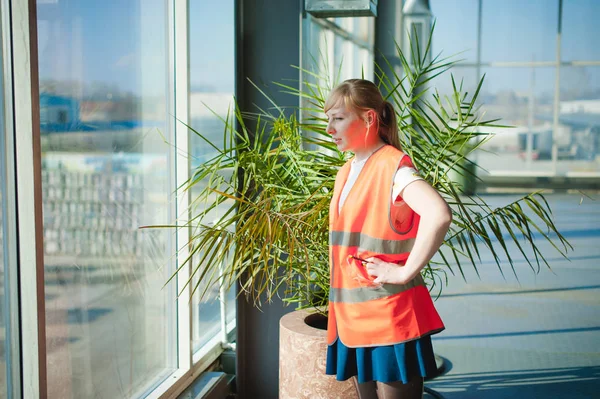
(103, 72)
(542, 77)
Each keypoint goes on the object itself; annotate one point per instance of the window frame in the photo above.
(9, 215)
(28, 190)
(30, 359)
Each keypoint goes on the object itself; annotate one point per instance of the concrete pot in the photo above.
(302, 358)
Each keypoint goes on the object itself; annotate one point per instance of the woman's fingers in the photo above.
(374, 268)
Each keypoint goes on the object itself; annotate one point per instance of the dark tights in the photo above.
(390, 390)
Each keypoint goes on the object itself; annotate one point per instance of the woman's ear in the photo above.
(370, 117)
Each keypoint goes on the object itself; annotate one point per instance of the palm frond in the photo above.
(259, 214)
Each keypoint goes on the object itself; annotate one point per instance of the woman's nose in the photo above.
(329, 128)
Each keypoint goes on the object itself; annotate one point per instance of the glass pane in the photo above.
(522, 98)
(106, 171)
(315, 60)
(343, 56)
(318, 45)
(212, 78)
(323, 51)
(364, 30)
(442, 84)
(347, 54)
(455, 28)
(580, 30)
(579, 131)
(335, 58)
(516, 30)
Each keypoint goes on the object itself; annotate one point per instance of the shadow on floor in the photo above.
(557, 383)
(521, 292)
(519, 333)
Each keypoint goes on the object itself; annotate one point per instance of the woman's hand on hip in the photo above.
(388, 273)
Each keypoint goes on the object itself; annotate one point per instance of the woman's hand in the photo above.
(388, 273)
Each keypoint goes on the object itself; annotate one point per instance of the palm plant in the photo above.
(260, 206)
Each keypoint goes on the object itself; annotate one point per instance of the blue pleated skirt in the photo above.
(389, 363)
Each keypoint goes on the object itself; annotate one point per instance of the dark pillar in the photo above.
(388, 31)
(268, 34)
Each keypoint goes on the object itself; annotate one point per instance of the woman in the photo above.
(386, 223)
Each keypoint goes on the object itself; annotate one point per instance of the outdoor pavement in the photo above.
(535, 337)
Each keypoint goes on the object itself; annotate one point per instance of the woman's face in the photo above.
(347, 129)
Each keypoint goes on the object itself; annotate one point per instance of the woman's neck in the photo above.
(365, 152)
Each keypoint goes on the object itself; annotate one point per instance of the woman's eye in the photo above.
(337, 119)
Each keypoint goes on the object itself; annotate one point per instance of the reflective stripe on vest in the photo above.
(363, 294)
(372, 244)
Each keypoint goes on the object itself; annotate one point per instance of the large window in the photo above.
(333, 50)
(211, 100)
(541, 66)
(455, 38)
(514, 30)
(338, 48)
(118, 81)
(106, 171)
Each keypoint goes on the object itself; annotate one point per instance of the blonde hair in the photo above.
(361, 95)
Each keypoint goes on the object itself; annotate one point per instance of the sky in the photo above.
(124, 42)
(521, 31)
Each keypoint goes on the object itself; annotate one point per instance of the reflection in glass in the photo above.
(110, 326)
(522, 98)
(516, 30)
(212, 81)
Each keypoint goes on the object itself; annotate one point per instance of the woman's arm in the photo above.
(435, 220)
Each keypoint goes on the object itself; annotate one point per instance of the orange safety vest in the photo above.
(360, 313)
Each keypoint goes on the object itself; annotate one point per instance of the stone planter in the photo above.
(302, 357)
